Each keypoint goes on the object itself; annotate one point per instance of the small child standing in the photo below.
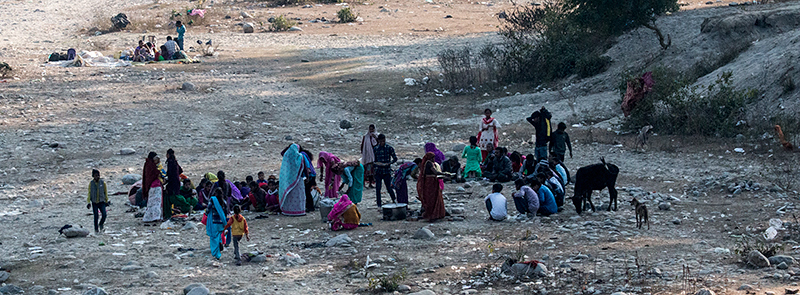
(496, 204)
(560, 142)
(97, 199)
(238, 226)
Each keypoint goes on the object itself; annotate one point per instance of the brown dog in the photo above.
(641, 213)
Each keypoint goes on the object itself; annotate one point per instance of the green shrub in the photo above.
(5, 69)
(346, 15)
(281, 23)
(592, 65)
(673, 107)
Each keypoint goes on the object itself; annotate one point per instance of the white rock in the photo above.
(705, 292)
(295, 29)
(339, 240)
(248, 28)
(127, 151)
(424, 233)
(757, 259)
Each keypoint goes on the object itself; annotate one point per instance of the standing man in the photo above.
(541, 122)
(181, 29)
(384, 158)
(368, 154)
(97, 200)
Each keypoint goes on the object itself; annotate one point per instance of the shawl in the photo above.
(235, 193)
(291, 173)
(341, 206)
(402, 172)
(211, 177)
(438, 155)
(173, 176)
(367, 153)
(332, 180)
(150, 173)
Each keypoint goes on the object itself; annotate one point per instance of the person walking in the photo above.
(384, 158)
(97, 199)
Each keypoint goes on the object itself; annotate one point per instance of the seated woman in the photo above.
(344, 215)
(139, 52)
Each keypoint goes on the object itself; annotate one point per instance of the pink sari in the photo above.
(332, 180)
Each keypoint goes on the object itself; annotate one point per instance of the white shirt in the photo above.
(499, 211)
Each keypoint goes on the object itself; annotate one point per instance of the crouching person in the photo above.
(496, 204)
(547, 202)
(344, 215)
(525, 199)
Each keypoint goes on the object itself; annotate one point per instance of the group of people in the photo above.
(171, 49)
(166, 192)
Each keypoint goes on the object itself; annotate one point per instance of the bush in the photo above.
(673, 107)
(346, 15)
(281, 23)
(592, 65)
(5, 69)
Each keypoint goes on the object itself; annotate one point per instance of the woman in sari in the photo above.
(488, 134)
(332, 180)
(400, 180)
(151, 189)
(291, 189)
(215, 223)
(352, 176)
(344, 215)
(428, 189)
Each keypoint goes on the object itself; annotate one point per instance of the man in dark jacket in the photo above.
(541, 122)
(560, 142)
(501, 167)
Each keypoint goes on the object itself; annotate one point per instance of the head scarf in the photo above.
(438, 155)
(428, 157)
(341, 206)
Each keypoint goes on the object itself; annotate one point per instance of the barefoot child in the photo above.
(238, 226)
(97, 199)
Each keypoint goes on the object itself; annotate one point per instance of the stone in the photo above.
(745, 287)
(202, 290)
(189, 226)
(95, 291)
(4, 275)
(522, 269)
(127, 151)
(782, 265)
(244, 14)
(778, 259)
(424, 234)
(248, 28)
(295, 29)
(705, 292)
(423, 292)
(188, 86)
(757, 259)
(151, 275)
(676, 221)
(191, 287)
(403, 288)
(131, 268)
(339, 240)
(292, 259)
(664, 206)
(287, 137)
(75, 232)
(459, 147)
(540, 270)
(259, 258)
(10, 289)
(130, 179)
(457, 211)
(344, 124)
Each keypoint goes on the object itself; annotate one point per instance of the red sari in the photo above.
(429, 191)
(149, 174)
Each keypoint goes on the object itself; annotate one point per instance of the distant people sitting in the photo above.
(501, 167)
(496, 204)
(140, 54)
(172, 48)
(162, 53)
(453, 166)
(554, 186)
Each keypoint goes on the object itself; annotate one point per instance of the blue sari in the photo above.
(215, 224)
(291, 189)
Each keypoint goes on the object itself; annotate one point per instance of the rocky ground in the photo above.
(266, 90)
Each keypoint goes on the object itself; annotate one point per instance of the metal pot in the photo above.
(395, 211)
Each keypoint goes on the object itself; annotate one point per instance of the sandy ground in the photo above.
(59, 123)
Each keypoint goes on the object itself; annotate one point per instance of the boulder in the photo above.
(74, 232)
(95, 291)
(344, 124)
(202, 290)
(130, 179)
(248, 28)
(778, 259)
(540, 270)
(459, 147)
(188, 86)
(4, 276)
(120, 21)
(10, 289)
(705, 292)
(757, 259)
(424, 234)
(339, 240)
(191, 287)
(127, 151)
(745, 287)
(664, 206)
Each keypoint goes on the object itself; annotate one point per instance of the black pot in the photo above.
(395, 211)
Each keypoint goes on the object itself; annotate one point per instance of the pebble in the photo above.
(127, 151)
(131, 268)
(705, 292)
(151, 275)
(188, 86)
(778, 259)
(540, 270)
(745, 287)
(202, 290)
(130, 179)
(244, 14)
(664, 206)
(424, 233)
(457, 211)
(782, 265)
(403, 288)
(423, 292)
(10, 289)
(769, 293)
(248, 28)
(295, 29)
(676, 221)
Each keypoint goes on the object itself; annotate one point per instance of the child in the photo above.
(272, 194)
(496, 204)
(259, 197)
(238, 226)
(560, 142)
(547, 203)
(97, 199)
(525, 199)
(261, 179)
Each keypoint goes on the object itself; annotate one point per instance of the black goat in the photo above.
(595, 177)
